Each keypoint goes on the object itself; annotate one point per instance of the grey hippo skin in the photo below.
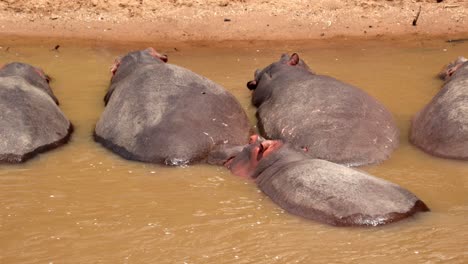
(333, 120)
(321, 190)
(30, 119)
(441, 127)
(162, 113)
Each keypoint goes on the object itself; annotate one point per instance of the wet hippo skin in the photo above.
(441, 127)
(333, 120)
(162, 113)
(30, 119)
(321, 190)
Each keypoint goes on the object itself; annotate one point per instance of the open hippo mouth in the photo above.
(245, 163)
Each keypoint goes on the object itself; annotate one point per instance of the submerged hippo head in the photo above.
(35, 76)
(269, 71)
(451, 68)
(126, 63)
(124, 66)
(321, 190)
(245, 162)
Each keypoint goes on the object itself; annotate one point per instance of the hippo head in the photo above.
(285, 61)
(246, 161)
(33, 75)
(123, 65)
(451, 68)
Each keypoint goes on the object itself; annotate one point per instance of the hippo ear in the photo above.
(445, 75)
(41, 73)
(164, 58)
(116, 65)
(48, 78)
(154, 53)
(294, 60)
(252, 85)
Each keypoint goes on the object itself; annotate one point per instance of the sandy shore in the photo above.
(217, 20)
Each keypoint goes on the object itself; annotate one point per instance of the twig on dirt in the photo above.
(451, 6)
(415, 20)
(56, 48)
(457, 40)
(7, 49)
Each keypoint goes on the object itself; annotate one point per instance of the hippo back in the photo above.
(441, 127)
(30, 120)
(163, 113)
(331, 193)
(32, 75)
(332, 120)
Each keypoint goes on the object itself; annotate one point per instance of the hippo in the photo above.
(441, 127)
(161, 113)
(317, 189)
(30, 120)
(340, 122)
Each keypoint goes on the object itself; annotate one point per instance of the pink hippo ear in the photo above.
(453, 69)
(42, 74)
(115, 66)
(294, 60)
(48, 78)
(157, 55)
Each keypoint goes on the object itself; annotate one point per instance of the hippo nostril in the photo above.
(252, 85)
(261, 148)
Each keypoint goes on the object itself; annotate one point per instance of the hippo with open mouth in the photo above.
(318, 189)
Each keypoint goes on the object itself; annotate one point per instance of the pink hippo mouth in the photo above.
(245, 163)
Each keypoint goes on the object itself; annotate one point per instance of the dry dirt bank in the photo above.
(184, 20)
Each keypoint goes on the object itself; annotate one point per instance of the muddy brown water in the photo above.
(83, 204)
